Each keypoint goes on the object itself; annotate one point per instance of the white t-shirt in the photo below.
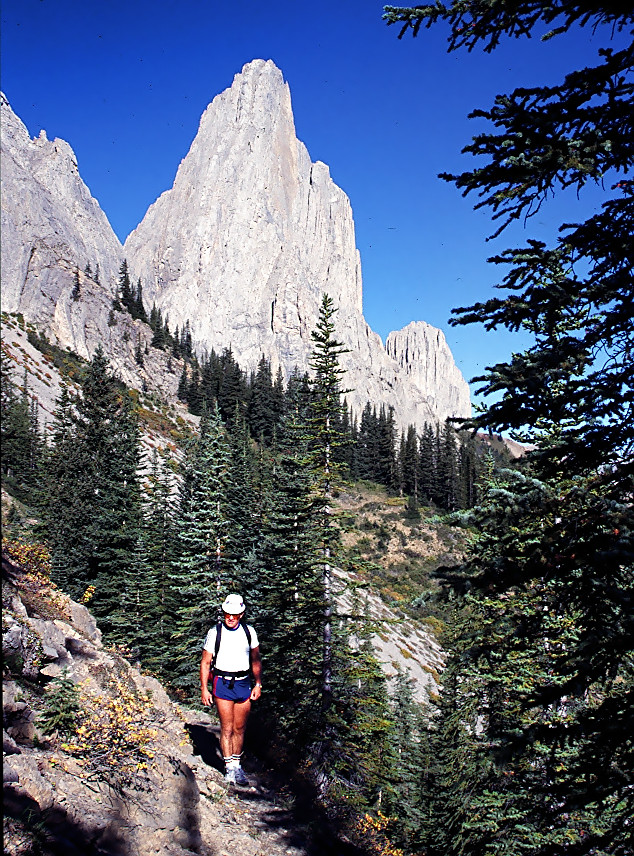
(233, 654)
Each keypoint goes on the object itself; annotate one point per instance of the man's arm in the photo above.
(205, 665)
(256, 668)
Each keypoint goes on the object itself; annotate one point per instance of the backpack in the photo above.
(221, 672)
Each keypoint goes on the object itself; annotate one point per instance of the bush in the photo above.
(62, 706)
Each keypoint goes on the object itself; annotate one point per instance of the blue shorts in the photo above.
(241, 690)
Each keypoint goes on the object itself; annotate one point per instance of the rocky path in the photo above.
(260, 820)
(63, 799)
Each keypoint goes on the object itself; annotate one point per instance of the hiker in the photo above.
(232, 653)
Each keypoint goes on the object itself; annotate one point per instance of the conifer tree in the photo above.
(547, 657)
(92, 489)
(76, 292)
(409, 462)
(324, 413)
(199, 572)
(447, 468)
(427, 458)
(124, 286)
(290, 590)
(153, 564)
(139, 308)
(22, 446)
(243, 505)
(410, 768)
(138, 351)
(261, 411)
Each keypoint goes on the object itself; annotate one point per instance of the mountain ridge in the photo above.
(243, 246)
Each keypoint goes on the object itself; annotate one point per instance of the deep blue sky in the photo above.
(125, 83)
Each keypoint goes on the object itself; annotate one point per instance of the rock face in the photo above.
(243, 247)
(51, 225)
(51, 228)
(423, 354)
(249, 238)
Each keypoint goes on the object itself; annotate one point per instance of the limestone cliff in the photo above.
(51, 225)
(252, 234)
(243, 246)
(423, 354)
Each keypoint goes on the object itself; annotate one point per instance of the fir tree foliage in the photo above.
(91, 506)
(199, 573)
(21, 444)
(542, 668)
(324, 438)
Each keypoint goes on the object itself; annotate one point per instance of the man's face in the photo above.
(232, 620)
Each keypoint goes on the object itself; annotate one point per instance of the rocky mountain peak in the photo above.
(252, 234)
(51, 225)
(243, 247)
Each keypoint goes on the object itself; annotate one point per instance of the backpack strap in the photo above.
(217, 645)
(247, 633)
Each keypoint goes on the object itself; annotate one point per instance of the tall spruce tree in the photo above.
(200, 573)
(22, 446)
(547, 657)
(92, 503)
(150, 586)
(324, 437)
(290, 591)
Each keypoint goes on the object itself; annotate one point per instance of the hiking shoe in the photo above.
(240, 778)
(230, 777)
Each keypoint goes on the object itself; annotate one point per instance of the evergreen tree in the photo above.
(124, 291)
(138, 351)
(547, 657)
(262, 411)
(232, 393)
(22, 446)
(368, 453)
(290, 592)
(411, 768)
(243, 506)
(76, 292)
(92, 491)
(447, 469)
(324, 412)
(427, 464)
(199, 571)
(409, 462)
(183, 384)
(138, 309)
(388, 470)
(468, 470)
(153, 564)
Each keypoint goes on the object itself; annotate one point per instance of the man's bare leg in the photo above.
(225, 714)
(241, 711)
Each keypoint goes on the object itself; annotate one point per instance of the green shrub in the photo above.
(62, 706)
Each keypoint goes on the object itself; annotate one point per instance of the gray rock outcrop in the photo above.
(243, 247)
(51, 225)
(252, 234)
(423, 355)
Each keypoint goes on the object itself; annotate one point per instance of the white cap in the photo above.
(233, 604)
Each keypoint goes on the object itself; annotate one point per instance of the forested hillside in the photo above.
(149, 515)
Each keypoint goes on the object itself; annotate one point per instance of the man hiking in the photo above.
(232, 653)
